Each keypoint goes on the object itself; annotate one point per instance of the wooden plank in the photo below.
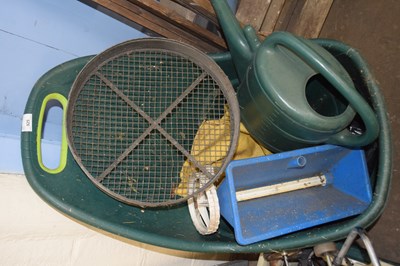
(311, 18)
(133, 13)
(271, 18)
(252, 12)
(286, 15)
(184, 12)
(201, 7)
(173, 17)
(153, 23)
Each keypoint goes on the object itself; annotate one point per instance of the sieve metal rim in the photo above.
(194, 55)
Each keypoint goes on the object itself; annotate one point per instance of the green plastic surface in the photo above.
(72, 193)
(293, 92)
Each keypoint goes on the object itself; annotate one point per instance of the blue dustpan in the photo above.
(322, 184)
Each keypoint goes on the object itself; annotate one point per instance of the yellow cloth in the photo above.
(210, 147)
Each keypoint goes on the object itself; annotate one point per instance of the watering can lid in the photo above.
(283, 74)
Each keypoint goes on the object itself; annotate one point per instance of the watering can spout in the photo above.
(241, 42)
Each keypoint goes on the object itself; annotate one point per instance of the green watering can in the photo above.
(293, 93)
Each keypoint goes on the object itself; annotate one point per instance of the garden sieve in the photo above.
(146, 114)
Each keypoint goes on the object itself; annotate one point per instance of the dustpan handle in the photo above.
(346, 89)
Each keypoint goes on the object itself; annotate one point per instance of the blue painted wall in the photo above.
(35, 36)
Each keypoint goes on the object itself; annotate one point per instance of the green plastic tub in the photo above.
(67, 189)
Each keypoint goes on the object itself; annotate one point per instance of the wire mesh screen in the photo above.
(141, 121)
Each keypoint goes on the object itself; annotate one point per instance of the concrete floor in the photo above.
(373, 28)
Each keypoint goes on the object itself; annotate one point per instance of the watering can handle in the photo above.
(321, 65)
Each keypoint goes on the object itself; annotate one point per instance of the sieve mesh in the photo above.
(133, 118)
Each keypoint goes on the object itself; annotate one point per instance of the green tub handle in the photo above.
(300, 48)
(64, 145)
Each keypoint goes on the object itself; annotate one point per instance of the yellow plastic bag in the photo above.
(212, 150)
